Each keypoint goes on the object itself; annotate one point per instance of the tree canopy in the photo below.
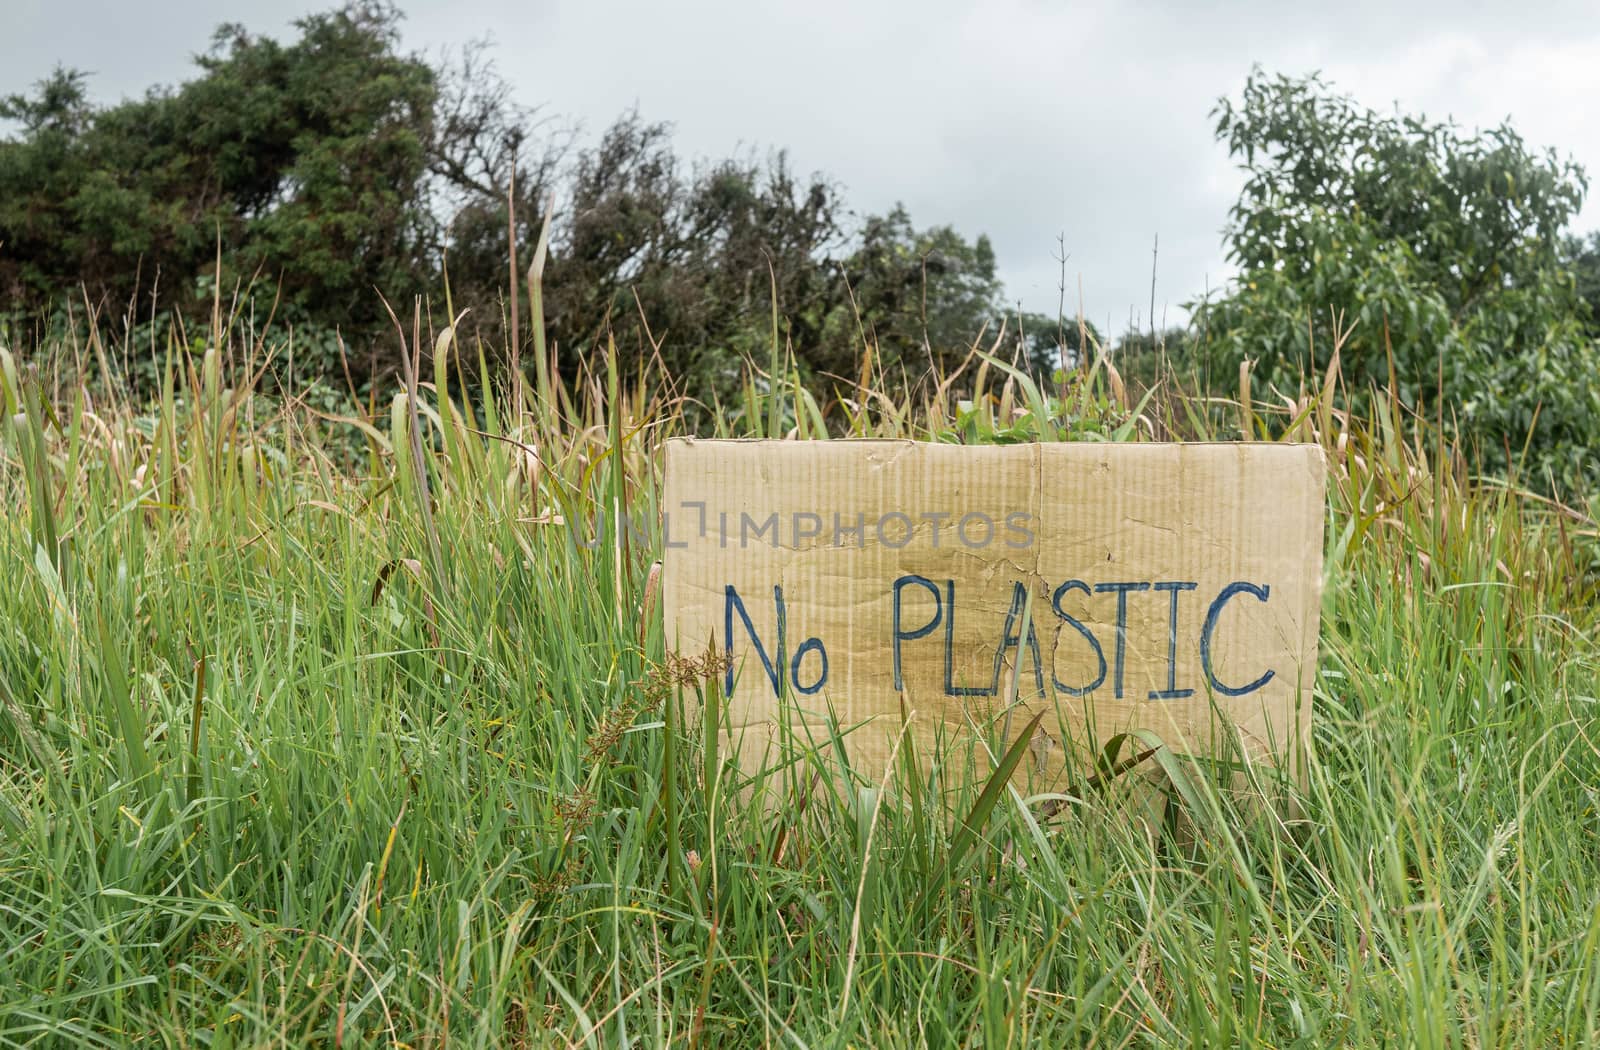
(303, 161)
(336, 166)
(1410, 241)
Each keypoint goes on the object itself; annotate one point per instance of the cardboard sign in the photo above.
(1172, 588)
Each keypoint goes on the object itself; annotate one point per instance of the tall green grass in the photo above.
(299, 748)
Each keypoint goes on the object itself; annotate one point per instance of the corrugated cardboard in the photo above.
(1173, 588)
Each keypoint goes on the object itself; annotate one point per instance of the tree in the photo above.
(486, 149)
(317, 173)
(919, 296)
(1050, 344)
(1583, 255)
(1144, 358)
(35, 220)
(305, 161)
(1414, 240)
(656, 256)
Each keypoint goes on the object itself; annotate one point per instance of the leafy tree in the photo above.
(920, 296)
(35, 221)
(675, 262)
(1047, 344)
(1583, 254)
(304, 161)
(316, 173)
(1145, 358)
(1412, 239)
(494, 166)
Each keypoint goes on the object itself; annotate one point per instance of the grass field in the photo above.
(321, 731)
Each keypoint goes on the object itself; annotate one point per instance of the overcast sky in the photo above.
(1022, 120)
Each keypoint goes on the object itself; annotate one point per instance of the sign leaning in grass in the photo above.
(1115, 587)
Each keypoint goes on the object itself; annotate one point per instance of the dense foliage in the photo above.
(303, 161)
(1412, 246)
(317, 173)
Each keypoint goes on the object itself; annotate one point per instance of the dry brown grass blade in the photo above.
(1247, 427)
(652, 592)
